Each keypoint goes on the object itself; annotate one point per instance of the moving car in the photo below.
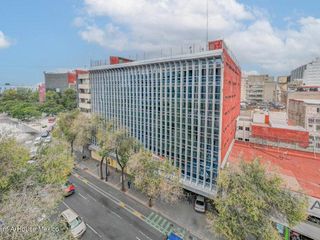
(68, 189)
(200, 205)
(74, 223)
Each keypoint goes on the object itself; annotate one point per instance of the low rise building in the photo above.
(272, 128)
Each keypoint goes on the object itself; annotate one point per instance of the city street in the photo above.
(105, 215)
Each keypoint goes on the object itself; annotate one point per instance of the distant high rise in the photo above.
(181, 107)
(308, 73)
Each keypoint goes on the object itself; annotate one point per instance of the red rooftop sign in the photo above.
(214, 45)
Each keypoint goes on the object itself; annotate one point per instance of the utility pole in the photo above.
(207, 29)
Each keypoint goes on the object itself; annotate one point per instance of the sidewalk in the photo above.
(182, 212)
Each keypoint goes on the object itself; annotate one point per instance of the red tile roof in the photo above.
(299, 169)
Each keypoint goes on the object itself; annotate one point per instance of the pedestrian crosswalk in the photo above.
(164, 225)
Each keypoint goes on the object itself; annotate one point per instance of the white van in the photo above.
(200, 204)
(74, 223)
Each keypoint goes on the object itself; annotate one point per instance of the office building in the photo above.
(59, 81)
(244, 80)
(261, 88)
(180, 107)
(308, 73)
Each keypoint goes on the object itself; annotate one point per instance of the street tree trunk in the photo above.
(122, 179)
(71, 147)
(101, 172)
(106, 169)
(150, 202)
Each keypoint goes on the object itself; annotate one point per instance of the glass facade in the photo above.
(172, 107)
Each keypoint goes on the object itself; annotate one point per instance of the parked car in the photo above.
(37, 141)
(174, 236)
(68, 189)
(74, 223)
(47, 139)
(200, 204)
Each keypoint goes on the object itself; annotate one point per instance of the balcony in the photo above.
(84, 86)
(84, 96)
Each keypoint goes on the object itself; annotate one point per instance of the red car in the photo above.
(68, 189)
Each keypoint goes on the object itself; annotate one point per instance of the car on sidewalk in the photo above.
(68, 189)
(74, 223)
(200, 204)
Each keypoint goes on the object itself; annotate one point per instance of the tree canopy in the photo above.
(30, 192)
(24, 103)
(155, 178)
(249, 198)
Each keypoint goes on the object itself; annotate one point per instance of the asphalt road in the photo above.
(106, 215)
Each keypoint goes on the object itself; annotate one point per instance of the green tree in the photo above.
(248, 198)
(56, 163)
(87, 126)
(13, 159)
(104, 142)
(52, 104)
(123, 147)
(155, 178)
(66, 129)
(69, 99)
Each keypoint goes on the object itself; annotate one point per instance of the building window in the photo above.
(240, 128)
(247, 140)
(240, 139)
(318, 110)
(247, 129)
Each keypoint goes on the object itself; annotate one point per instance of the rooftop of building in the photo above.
(300, 170)
(309, 101)
(160, 60)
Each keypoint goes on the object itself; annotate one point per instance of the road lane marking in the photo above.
(116, 214)
(122, 204)
(66, 205)
(82, 196)
(145, 235)
(138, 238)
(91, 197)
(94, 230)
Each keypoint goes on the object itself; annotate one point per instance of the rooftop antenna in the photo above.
(207, 29)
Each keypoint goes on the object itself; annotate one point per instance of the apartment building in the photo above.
(306, 113)
(261, 88)
(180, 107)
(83, 91)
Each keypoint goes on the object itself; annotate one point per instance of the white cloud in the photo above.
(4, 42)
(148, 25)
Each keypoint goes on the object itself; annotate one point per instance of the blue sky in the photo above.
(44, 35)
